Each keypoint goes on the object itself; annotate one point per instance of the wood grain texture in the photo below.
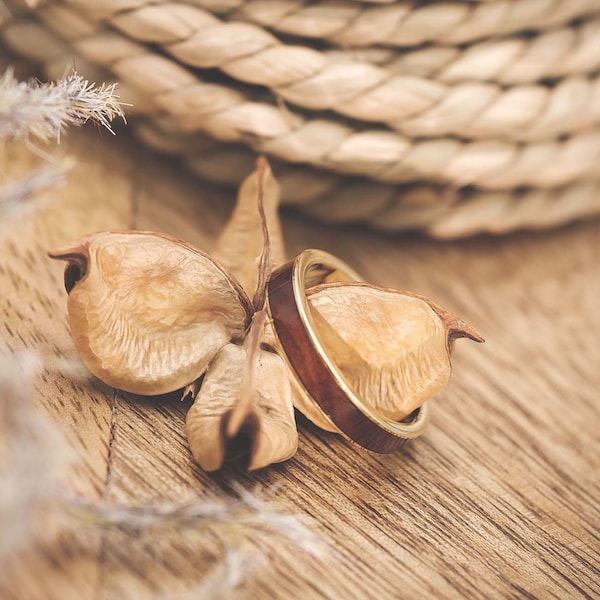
(499, 498)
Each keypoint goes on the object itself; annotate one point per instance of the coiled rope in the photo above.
(452, 139)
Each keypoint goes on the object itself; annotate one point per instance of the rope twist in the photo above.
(441, 131)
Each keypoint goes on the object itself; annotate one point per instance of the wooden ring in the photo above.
(322, 380)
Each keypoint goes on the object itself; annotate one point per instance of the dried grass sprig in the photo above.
(31, 454)
(246, 515)
(44, 110)
(16, 196)
(242, 526)
(221, 581)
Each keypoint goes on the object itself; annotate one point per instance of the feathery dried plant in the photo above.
(32, 457)
(30, 454)
(42, 111)
(28, 445)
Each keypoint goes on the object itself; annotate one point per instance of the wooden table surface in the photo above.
(499, 499)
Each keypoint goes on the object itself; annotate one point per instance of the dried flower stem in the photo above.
(248, 389)
(264, 260)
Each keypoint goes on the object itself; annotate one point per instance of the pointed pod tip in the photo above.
(79, 248)
(77, 258)
(456, 328)
(262, 164)
(460, 329)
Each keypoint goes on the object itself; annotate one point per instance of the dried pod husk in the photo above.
(243, 237)
(148, 312)
(244, 408)
(392, 347)
(231, 416)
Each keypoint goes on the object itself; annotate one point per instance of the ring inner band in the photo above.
(322, 380)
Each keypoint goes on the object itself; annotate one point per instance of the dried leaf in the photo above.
(148, 312)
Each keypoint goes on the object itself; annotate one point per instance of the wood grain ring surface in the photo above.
(307, 358)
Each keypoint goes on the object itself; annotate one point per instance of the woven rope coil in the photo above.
(493, 125)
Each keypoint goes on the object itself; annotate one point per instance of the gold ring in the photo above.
(322, 380)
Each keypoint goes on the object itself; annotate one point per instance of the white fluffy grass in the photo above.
(45, 110)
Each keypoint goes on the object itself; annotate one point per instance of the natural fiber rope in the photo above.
(405, 23)
(440, 211)
(557, 53)
(560, 173)
(414, 106)
(383, 155)
(562, 52)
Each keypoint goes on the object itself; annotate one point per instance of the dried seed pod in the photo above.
(392, 347)
(147, 311)
(151, 314)
(244, 407)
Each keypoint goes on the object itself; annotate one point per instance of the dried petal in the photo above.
(392, 347)
(244, 407)
(147, 311)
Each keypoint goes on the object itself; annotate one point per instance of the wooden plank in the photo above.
(498, 499)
